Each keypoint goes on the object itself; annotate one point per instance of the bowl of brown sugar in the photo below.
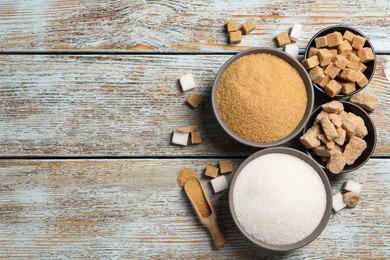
(262, 97)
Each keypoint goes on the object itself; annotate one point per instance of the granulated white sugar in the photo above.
(279, 199)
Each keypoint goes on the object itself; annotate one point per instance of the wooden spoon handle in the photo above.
(218, 237)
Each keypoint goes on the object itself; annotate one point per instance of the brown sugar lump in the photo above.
(344, 48)
(362, 81)
(316, 74)
(324, 56)
(329, 144)
(333, 51)
(211, 171)
(311, 62)
(329, 129)
(332, 70)
(324, 81)
(322, 151)
(362, 67)
(354, 149)
(334, 39)
(349, 75)
(333, 88)
(347, 87)
(336, 162)
(225, 166)
(342, 136)
(321, 115)
(248, 26)
(353, 64)
(348, 36)
(354, 125)
(366, 101)
(333, 107)
(321, 42)
(365, 54)
(352, 57)
(196, 137)
(312, 51)
(335, 119)
(232, 26)
(309, 139)
(235, 37)
(194, 100)
(282, 39)
(352, 199)
(340, 61)
(358, 42)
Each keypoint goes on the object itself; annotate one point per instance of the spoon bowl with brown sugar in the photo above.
(262, 97)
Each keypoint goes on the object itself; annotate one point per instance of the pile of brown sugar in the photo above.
(261, 97)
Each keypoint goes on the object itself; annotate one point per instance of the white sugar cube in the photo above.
(293, 50)
(219, 184)
(180, 138)
(352, 186)
(187, 82)
(338, 202)
(296, 32)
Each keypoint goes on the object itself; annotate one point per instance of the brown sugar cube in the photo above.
(321, 42)
(329, 129)
(335, 119)
(340, 61)
(362, 81)
(248, 26)
(187, 128)
(316, 74)
(365, 54)
(328, 144)
(194, 100)
(366, 101)
(342, 136)
(354, 149)
(358, 42)
(309, 139)
(352, 199)
(347, 87)
(324, 56)
(225, 166)
(322, 151)
(333, 88)
(324, 81)
(235, 37)
(320, 116)
(312, 51)
(232, 26)
(352, 57)
(349, 75)
(336, 163)
(334, 39)
(282, 39)
(348, 36)
(333, 51)
(332, 70)
(196, 137)
(362, 67)
(344, 48)
(333, 107)
(211, 171)
(355, 65)
(311, 62)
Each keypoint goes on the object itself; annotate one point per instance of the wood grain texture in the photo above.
(135, 209)
(124, 105)
(138, 25)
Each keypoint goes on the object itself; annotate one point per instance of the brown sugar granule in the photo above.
(195, 192)
(185, 174)
(261, 97)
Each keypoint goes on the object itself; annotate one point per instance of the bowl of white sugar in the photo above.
(280, 199)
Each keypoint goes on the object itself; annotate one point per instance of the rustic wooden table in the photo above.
(89, 99)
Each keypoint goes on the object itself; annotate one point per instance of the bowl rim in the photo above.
(353, 168)
(354, 30)
(329, 198)
(293, 62)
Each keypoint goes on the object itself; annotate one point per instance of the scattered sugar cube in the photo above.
(293, 50)
(365, 54)
(338, 202)
(321, 41)
(235, 37)
(196, 137)
(187, 82)
(358, 42)
(180, 138)
(225, 166)
(282, 39)
(310, 62)
(248, 26)
(232, 26)
(352, 186)
(211, 171)
(296, 31)
(219, 184)
(194, 100)
(352, 199)
(187, 128)
(348, 36)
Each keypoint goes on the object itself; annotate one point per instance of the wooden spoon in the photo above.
(210, 221)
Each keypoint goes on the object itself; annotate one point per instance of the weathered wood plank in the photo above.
(135, 209)
(123, 105)
(176, 25)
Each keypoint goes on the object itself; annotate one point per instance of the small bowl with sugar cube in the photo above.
(340, 136)
(340, 60)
